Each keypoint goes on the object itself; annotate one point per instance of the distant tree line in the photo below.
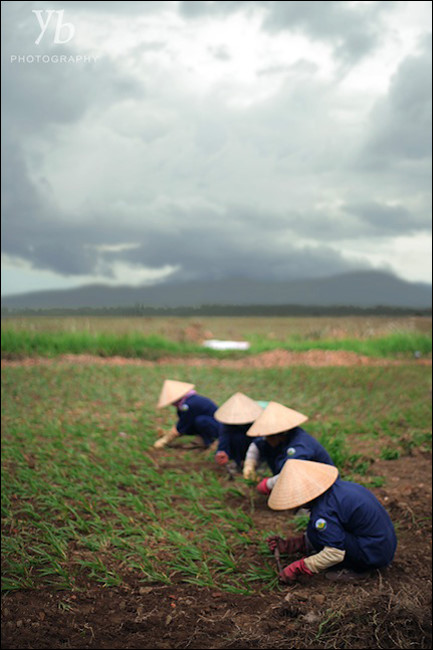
(221, 310)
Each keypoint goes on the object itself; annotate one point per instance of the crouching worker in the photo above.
(349, 530)
(281, 438)
(236, 416)
(194, 414)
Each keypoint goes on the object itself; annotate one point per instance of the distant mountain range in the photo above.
(361, 289)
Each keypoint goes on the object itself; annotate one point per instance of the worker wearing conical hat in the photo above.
(236, 416)
(349, 532)
(195, 414)
(280, 437)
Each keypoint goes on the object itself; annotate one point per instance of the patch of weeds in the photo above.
(301, 522)
(360, 465)
(417, 440)
(64, 607)
(331, 619)
(335, 445)
(389, 453)
(375, 481)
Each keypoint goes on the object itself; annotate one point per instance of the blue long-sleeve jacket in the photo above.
(195, 418)
(349, 517)
(297, 444)
(234, 441)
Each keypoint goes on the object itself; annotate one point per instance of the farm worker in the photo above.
(280, 438)
(348, 528)
(194, 413)
(236, 416)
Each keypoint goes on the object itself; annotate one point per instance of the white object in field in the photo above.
(216, 344)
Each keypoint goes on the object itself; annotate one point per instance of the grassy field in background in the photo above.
(152, 338)
(82, 497)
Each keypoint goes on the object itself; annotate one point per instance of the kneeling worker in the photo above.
(281, 438)
(194, 414)
(349, 530)
(236, 416)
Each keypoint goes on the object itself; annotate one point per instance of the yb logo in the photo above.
(67, 30)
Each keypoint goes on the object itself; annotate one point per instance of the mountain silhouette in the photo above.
(359, 289)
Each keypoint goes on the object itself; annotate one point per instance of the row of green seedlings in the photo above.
(76, 521)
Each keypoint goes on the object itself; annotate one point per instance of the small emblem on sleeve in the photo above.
(320, 524)
(184, 407)
(291, 451)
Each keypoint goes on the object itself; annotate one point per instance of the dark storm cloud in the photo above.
(213, 254)
(387, 219)
(196, 175)
(352, 31)
(401, 126)
(38, 98)
(205, 243)
(38, 95)
(32, 228)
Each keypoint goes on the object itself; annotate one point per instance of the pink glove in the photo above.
(221, 458)
(294, 570)
(263, 488)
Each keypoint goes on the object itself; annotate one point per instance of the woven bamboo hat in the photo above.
(299, 482)
(276, 418)
(172, 391)
(238, 409)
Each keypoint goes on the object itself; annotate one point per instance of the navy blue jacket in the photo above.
(297, 444)
(234, 441)
(195, 418)
(349, 517)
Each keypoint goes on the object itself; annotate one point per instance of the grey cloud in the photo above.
(401, 127)
(220, 52)
(299, 68)
(126, 7)
(198, 8)
(32, 229)
(388, 219)
(215, 191)
(39, 94)
(204, 242)
(214, 255)
(353, 31)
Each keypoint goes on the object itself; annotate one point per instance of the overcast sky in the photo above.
(149, 141)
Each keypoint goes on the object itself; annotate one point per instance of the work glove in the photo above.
(262, 487)
(160, 443)
(289, 546)
(293, 571)
(166, 439)
(249, 470)
(221, 458)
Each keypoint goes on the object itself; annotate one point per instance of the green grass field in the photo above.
(152, 338)
(83, 499)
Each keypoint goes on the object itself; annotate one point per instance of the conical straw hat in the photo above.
(299, 482)
(238, 409)
(276, 418)
(172, 391)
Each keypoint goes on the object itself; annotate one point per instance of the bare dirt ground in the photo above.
(389, 609)
(275, 358)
